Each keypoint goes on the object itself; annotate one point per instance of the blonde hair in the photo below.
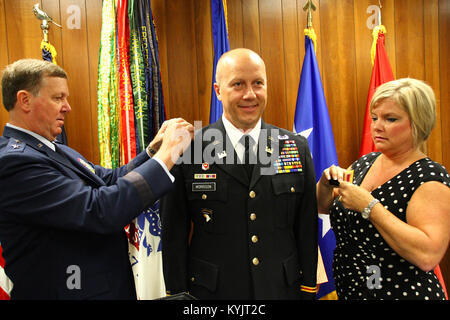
(418, 100)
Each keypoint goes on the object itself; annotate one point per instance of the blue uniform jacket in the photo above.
(62, 219)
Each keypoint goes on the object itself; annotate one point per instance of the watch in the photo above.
(151, 152)
(367, 210)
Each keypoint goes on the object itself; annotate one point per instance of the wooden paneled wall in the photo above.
(417, 45)
(417, 42)
(77, 46)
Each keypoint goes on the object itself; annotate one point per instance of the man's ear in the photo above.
(217, 90)
(24, 100)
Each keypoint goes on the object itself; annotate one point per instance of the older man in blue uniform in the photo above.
(62, 218)
(254, 223)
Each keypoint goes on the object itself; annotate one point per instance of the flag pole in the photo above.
(379, 12)
(312, 121)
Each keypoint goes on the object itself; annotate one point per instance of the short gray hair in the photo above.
(26, 74)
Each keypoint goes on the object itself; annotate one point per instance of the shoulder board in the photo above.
(15, 145)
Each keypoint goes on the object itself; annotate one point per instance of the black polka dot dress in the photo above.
(364, 265)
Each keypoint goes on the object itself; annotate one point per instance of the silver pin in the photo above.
(223, 154)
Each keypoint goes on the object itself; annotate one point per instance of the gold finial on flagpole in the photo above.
(308, 7)
(45, 18)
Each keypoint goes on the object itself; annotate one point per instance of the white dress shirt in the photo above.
(236, 134)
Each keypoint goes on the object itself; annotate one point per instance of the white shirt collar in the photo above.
(236, 134)
(31, 133)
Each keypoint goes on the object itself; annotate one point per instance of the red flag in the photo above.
(438, 273)
(381, 73)
(5, 283)
(128, 136)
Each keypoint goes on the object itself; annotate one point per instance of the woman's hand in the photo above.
(332, 173)
(353, 197)
(325, 191)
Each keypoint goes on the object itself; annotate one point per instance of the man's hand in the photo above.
(155, 144)
(172, 139)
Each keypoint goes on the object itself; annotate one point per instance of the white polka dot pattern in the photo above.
(359, 245)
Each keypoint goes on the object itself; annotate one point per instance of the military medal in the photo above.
(289, 159)
(205, 176)
(205, 166)
(86, 165)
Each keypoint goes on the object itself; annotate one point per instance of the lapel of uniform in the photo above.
(234, 170)
(78, 165)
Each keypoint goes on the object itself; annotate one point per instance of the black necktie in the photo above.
(248, 159)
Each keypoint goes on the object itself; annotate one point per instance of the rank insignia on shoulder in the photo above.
(15, 145)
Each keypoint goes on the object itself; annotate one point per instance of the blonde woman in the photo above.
(392, 222)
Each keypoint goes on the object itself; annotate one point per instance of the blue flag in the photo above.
(221, 45)
(313, 122)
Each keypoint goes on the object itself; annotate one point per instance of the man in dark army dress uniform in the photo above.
(254, 222)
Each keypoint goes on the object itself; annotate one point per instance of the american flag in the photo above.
(5, 283)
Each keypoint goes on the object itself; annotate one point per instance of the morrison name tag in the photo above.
(203, 186)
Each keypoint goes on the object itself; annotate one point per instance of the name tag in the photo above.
(203, 186)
